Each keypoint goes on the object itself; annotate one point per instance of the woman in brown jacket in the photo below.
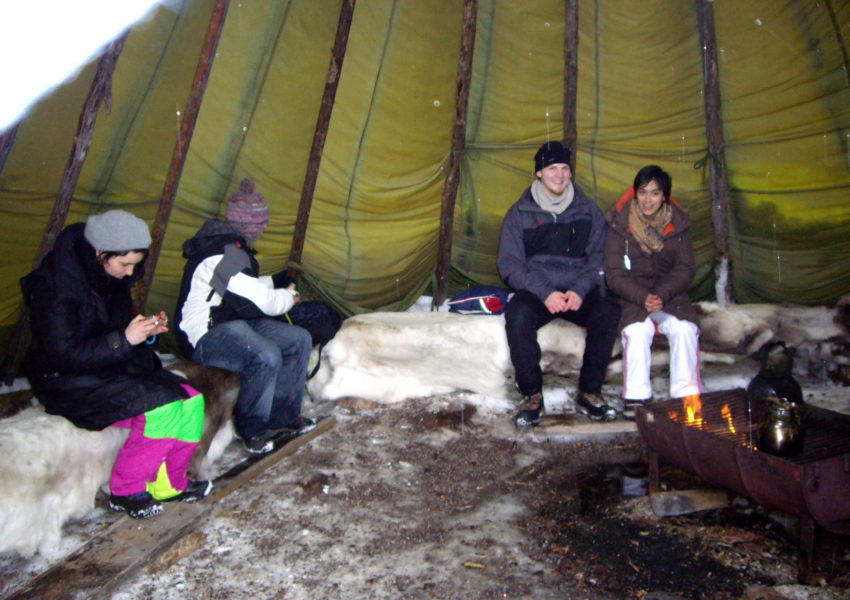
(649, 264)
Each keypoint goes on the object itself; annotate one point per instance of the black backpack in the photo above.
(319, 319)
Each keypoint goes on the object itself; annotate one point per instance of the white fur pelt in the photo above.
(819, 334)
(388, 356)
(745, 328)
(50, 472)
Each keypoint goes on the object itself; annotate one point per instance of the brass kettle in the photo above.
(780, 432)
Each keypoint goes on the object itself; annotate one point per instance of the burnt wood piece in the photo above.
(346, 15)
(450, 185)
(181, 148)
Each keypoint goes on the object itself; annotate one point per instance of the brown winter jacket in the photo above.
(666, 273)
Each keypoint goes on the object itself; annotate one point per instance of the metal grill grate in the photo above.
(728, 415)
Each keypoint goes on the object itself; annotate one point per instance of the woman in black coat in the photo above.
(91, 362)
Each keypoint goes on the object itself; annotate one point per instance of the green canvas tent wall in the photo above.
(639, 84)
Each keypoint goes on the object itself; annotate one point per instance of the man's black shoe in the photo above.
(530, 411)
(594, 407)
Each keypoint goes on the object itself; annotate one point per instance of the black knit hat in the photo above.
(551, 153)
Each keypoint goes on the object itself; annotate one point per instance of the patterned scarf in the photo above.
(550, 203)
(648, 230)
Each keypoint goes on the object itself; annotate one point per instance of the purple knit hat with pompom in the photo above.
(248, 211)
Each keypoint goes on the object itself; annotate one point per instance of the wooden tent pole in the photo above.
(464, 76)
(570, 76)
(100, 91)
(718, 183)
(346, 15)
(7, 140)
(181, 148)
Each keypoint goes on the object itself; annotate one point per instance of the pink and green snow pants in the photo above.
(158, 451)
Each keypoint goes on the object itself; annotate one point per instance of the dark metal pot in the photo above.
(780, 432)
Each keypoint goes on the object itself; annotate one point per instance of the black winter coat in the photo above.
(80, 364)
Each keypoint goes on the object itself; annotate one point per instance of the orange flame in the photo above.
(726, 413)
(693, 410)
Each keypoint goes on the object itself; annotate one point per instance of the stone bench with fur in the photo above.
(51, 470)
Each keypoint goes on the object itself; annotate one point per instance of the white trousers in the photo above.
(683, 338)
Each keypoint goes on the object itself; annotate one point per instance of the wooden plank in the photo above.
(251, 467)
(683, 502)
(99, 567)
(579, 425)
(105, 562)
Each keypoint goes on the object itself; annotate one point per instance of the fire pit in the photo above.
(714, 437)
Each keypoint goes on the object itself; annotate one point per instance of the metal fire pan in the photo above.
(664, 436)
(772, 481)
(826, 488)
(714, 459)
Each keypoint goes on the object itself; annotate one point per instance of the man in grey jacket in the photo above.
(550, 251)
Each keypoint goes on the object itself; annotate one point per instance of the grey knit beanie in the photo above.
(117, 231)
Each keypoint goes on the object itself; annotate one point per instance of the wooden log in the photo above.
(684, 502)
(181, 148)
(346, 15)
(99, 92)
(718, 182)
(571, 77)
(464, 76)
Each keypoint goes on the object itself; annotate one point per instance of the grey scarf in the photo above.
(550, 203)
